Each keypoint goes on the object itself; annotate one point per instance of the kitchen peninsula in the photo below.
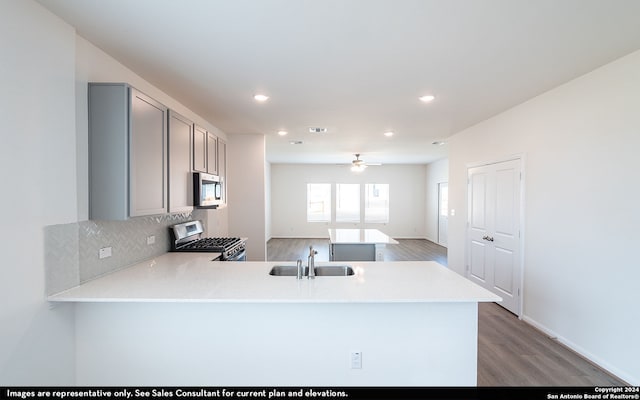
(357, 244)
(181, 319)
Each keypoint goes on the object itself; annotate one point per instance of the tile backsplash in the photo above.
(72, 250)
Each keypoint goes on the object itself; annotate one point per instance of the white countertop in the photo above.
(192, 277)
(359, 236)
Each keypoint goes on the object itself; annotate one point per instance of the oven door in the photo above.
(239, 256)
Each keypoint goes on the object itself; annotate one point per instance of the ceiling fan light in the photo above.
(358, 167)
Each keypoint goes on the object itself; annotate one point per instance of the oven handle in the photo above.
(240, 256)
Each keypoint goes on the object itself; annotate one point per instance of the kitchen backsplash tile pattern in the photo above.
(73, 249)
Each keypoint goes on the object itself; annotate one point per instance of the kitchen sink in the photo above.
(285, 270)
(325, 270)
(334, 270)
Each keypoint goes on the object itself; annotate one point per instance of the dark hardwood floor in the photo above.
(510, 351)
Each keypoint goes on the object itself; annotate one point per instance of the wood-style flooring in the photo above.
(514, 353)
(510, 351)
(405, 250)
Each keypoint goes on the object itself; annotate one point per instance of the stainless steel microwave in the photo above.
(207, 190)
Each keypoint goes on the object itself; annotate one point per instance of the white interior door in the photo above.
(493, 230)
(443, 213)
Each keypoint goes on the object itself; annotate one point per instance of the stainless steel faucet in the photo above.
(311, 262)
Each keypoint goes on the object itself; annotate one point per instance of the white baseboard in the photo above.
(635, 381)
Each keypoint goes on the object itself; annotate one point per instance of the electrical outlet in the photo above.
(356, 360)
(151, 240)
(104, 252)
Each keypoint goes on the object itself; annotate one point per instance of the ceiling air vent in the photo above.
(315, 129)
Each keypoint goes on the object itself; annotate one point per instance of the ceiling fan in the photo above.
(359, 165)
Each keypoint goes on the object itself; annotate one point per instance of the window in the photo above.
(318, 202)
(347, 202)
(376, 203)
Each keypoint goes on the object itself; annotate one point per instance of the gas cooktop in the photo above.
(187, 236)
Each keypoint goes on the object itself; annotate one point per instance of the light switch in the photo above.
(356, 360)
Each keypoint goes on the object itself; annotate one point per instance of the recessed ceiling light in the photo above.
(427, 98)
(295, 142)
(261, 97)
(388, 133)
(438, 143)
(282, 133)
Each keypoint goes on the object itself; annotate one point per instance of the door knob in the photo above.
(487, 238)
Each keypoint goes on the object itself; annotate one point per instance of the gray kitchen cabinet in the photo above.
(127, 153)
(205, 151)
(180, 181)
(212, 154)
(200, 149)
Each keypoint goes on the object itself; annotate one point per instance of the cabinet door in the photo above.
(222, 168)
(147, 157)
(212, 154)
(180, 182)
(200, 149)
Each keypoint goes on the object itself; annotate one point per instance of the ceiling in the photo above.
(355, 67)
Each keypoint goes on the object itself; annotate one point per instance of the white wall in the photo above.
(437, 172)
(247, 192)
(267, 205)
(581, 273)
(289, 198)
(38, 175)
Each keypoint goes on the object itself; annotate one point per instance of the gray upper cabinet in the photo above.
(180, 181)
(200, 149)
(205, 151)
(127, 153)
(212, 154)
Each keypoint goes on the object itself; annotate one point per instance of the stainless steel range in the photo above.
(187, 236)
